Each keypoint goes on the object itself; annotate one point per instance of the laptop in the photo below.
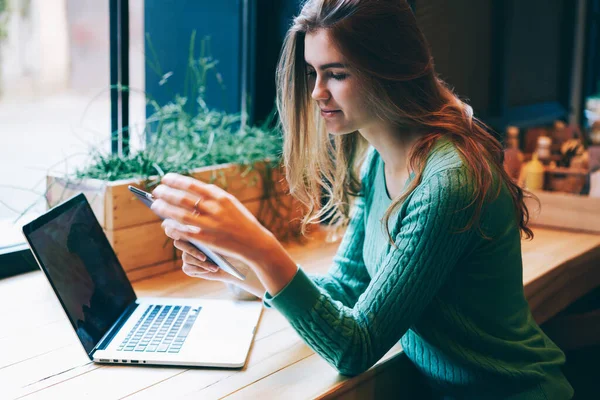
(112, 323)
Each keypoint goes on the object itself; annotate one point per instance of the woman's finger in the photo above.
(208, 238)
(194, 271)
(182, 215)
(188, 184)
(181, 198)
(194, 262)
(188, 248)
(177, 231)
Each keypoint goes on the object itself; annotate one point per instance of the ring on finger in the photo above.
(196, 210)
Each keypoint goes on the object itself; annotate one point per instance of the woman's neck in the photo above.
(393, 145)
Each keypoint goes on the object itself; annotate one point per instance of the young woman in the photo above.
(431, 256)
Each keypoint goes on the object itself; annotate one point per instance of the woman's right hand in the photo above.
(196, 265)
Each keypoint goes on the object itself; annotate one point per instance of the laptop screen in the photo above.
(82, 268)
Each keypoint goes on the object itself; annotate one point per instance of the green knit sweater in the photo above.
(454, 300)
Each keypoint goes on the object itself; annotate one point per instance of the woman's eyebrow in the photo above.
(329, 65)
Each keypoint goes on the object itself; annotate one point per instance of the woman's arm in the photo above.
(225, 225)
(347, 278)
(428, 247)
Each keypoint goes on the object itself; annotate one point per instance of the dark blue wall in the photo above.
(170, 24)
(272, 20)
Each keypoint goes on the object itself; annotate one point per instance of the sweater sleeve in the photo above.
(348, 278)
(428, 246)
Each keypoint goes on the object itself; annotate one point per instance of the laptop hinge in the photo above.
(112, 332)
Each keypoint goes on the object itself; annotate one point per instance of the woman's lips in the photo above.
(330, 113)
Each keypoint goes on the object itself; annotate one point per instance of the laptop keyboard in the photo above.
(161, 329)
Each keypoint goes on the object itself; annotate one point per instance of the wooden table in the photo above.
(41, 357)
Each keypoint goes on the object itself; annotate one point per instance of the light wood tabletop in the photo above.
(41, 357)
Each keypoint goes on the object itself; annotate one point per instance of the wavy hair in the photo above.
(400, 85)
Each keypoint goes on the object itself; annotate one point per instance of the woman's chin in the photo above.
(337, 130)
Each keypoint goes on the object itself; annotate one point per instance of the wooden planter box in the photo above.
(565, 210)
(135, 232)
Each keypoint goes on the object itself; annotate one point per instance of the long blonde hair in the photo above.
(383, 46)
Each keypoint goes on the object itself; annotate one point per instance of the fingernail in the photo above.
(214, 269)
(156, 204)
(192, 229)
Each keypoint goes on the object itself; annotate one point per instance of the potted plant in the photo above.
(209, 145)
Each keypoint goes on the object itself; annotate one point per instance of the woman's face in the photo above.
(335, 90)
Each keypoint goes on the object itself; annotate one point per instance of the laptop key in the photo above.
(151, 348)
(162, 348)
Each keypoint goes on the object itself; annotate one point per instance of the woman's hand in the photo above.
(196, 265)
(217, 219)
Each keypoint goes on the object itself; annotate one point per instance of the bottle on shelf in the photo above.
(534, 174)
(513, 157)
(560, 134)
(543, 149)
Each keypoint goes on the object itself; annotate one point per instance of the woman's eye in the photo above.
(338, 77)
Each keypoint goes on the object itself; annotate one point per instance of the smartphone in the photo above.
(221, 262)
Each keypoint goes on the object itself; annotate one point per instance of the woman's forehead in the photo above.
(320, 52)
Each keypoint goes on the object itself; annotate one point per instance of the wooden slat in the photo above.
(565, 211)
(124, 210)
(23, 289)
(117, 208)
(49, 310)
(267, 354)
(290, 382)
(61, 361)
(35, 342)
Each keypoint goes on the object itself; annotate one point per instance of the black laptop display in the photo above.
(82, 268)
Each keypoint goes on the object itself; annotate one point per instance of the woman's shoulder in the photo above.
(444, 156)
(447, 177)
(452, 180)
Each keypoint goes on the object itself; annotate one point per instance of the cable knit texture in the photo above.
(453, 299)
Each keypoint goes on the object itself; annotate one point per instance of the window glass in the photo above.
(54, 96)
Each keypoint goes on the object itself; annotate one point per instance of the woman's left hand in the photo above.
(221, 221)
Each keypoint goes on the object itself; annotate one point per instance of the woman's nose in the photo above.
(319, 91)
